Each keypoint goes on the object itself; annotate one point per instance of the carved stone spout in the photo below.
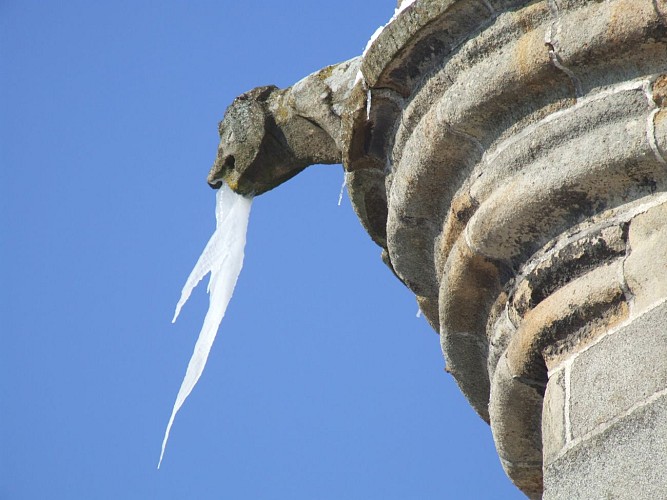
(269, 135)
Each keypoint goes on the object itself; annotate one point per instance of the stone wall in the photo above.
(509, 157)
(605, 415)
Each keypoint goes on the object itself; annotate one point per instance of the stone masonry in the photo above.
(509, 157)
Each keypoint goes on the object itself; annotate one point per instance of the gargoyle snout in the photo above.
(221, 168)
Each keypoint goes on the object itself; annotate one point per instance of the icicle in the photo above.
(369, 97)
(419, 313)
(223, 258)
(342, 189)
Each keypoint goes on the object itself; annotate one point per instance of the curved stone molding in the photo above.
(516, 128)
(510, 158)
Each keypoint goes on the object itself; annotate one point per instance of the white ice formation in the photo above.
(223, 258)
(342, 188)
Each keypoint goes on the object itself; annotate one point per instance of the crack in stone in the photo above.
(551, 43)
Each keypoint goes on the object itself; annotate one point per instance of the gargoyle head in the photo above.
(254, 155)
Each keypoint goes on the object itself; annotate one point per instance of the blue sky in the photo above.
(322, 383)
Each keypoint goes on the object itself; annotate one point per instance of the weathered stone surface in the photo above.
(501, 332)
(369, 199)
(646, 266)
(566, 321)
(623, 39)
(404, 50)
(515, 412)
(429, 307)
(569, 261)
(470, 285)
(619, 371)
(524, 477)
(465, 358)
(628, 460)
(553, 417)
(594, 173)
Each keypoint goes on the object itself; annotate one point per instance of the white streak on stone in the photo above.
(647, 87)
(567, 397)
(650, 136)
(223, 258)
(555, 60)
(369, 98)
(342, 189)
(550, 40)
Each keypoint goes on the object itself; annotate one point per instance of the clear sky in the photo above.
(322, 383)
